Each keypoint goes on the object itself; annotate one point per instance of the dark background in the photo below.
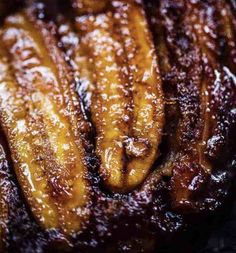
(223, 239)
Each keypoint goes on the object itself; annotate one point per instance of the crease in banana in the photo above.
(127, 105)
(41, 122)
(145, 83)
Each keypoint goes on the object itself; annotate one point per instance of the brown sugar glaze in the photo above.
(143, 151)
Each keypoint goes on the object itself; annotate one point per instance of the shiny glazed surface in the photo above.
(118, 123)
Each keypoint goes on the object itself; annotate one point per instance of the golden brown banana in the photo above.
(42, 124)
(147, 97)
(110, 100)
(11, 118)
(141, 141)
(135, 76)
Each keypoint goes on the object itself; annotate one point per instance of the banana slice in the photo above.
(148, 108)
(187, 100)
(218, 73)
(42, 124)
(127, 105)
(110, 100)
(198, 84)
(127, 102)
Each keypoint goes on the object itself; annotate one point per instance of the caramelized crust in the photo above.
(40, 120)
(122, 165)
(218, 64)
(193, 74)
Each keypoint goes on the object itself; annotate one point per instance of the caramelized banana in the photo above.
(196, 79)
(90, 6)
(220, 78)
(53, 199)
(147, 115)
(182, 75)
(205, 32)
(110, 99)
(41, 123)
(123, 38)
